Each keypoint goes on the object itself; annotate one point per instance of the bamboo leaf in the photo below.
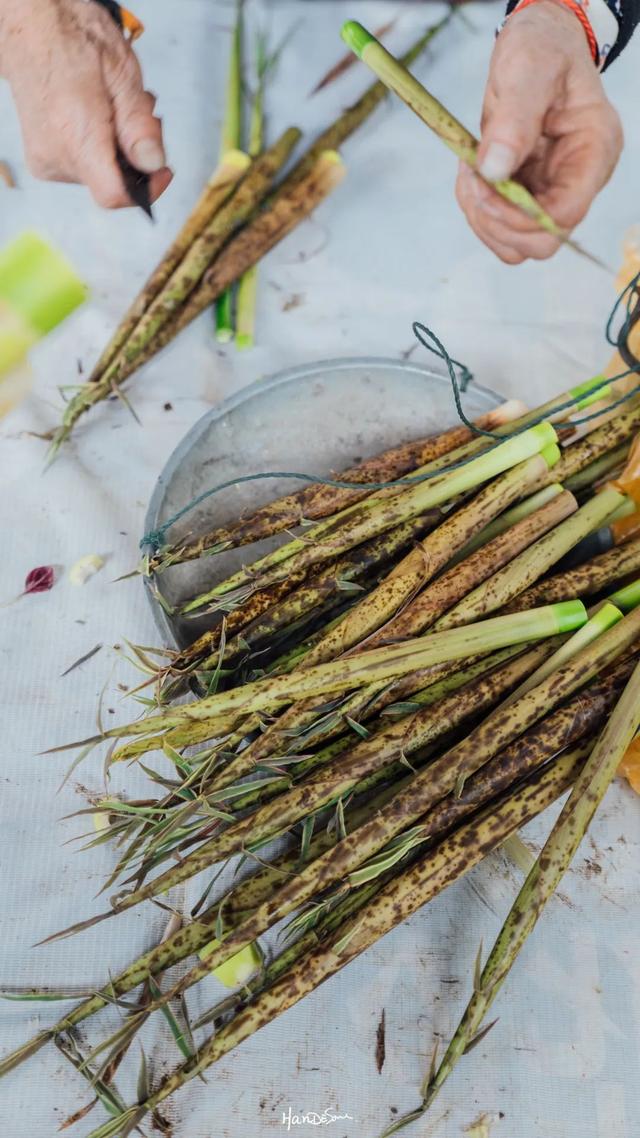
(143, 1088)
(357, 727)
(479, 1036)
(179, 1034)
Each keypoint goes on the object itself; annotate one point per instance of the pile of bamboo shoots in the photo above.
(384, 700)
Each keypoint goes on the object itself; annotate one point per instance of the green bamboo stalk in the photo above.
(456, 583)
(559, 850)
(249, 245)
(231, 140)
(327, 585)
(585, 580)
(257, 889)
(530, 565)
(244, 249)
(364, 557)
(603, 619)
(404, 895)
(354, 116)
(420, 692)
(304, 725)
(204, 250)
(218, 189)
(248, 284)
(626, 598)
(378, 513)
(417, 617)
(360, 670)
(480, 745)
(354, 508)
(608, 462)
(435, 115)
(500, 728)
(318, 500)
(231, 136)
(599, 441)
(339, 777)
(509, 518)
(428, 557)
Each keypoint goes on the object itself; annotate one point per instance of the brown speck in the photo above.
(167, 406)
(6, 176)
(592, 868)
(380, 1043)
(293, 301)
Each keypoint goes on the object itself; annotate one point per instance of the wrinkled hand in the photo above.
(546, 121)
(78, 89)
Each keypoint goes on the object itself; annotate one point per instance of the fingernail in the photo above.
(148, 156)
(499, 162)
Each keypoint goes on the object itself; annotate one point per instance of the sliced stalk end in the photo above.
(231, 161)
(551, 454)
(224, 318)
(508, 411)
(331, 158)
(605, 617)
(545, 435)
(591, 391)
(570, 615)
(356, 37)
(627, 598)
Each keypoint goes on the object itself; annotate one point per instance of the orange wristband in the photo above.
(578, 11)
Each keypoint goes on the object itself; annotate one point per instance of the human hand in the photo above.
(78, 89)
(547, 122)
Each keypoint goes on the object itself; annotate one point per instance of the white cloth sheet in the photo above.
(389, 247)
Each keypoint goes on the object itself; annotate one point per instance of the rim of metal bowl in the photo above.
(244, 395)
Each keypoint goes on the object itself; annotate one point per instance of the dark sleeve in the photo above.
(627, 14)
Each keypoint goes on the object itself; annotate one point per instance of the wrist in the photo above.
(587, 22)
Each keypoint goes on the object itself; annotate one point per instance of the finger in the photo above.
(93, 150)
(582, 164)
(479, 194)
(138, 130)
(159, 182)
(465, 193)
(97, 167)
(537, 245)
(488, 223)
(523, 83)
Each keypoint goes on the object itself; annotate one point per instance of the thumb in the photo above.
(520, 91)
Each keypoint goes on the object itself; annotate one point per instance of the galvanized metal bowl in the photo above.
(315, 419)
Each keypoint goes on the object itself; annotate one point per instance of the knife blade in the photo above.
(137, 184)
